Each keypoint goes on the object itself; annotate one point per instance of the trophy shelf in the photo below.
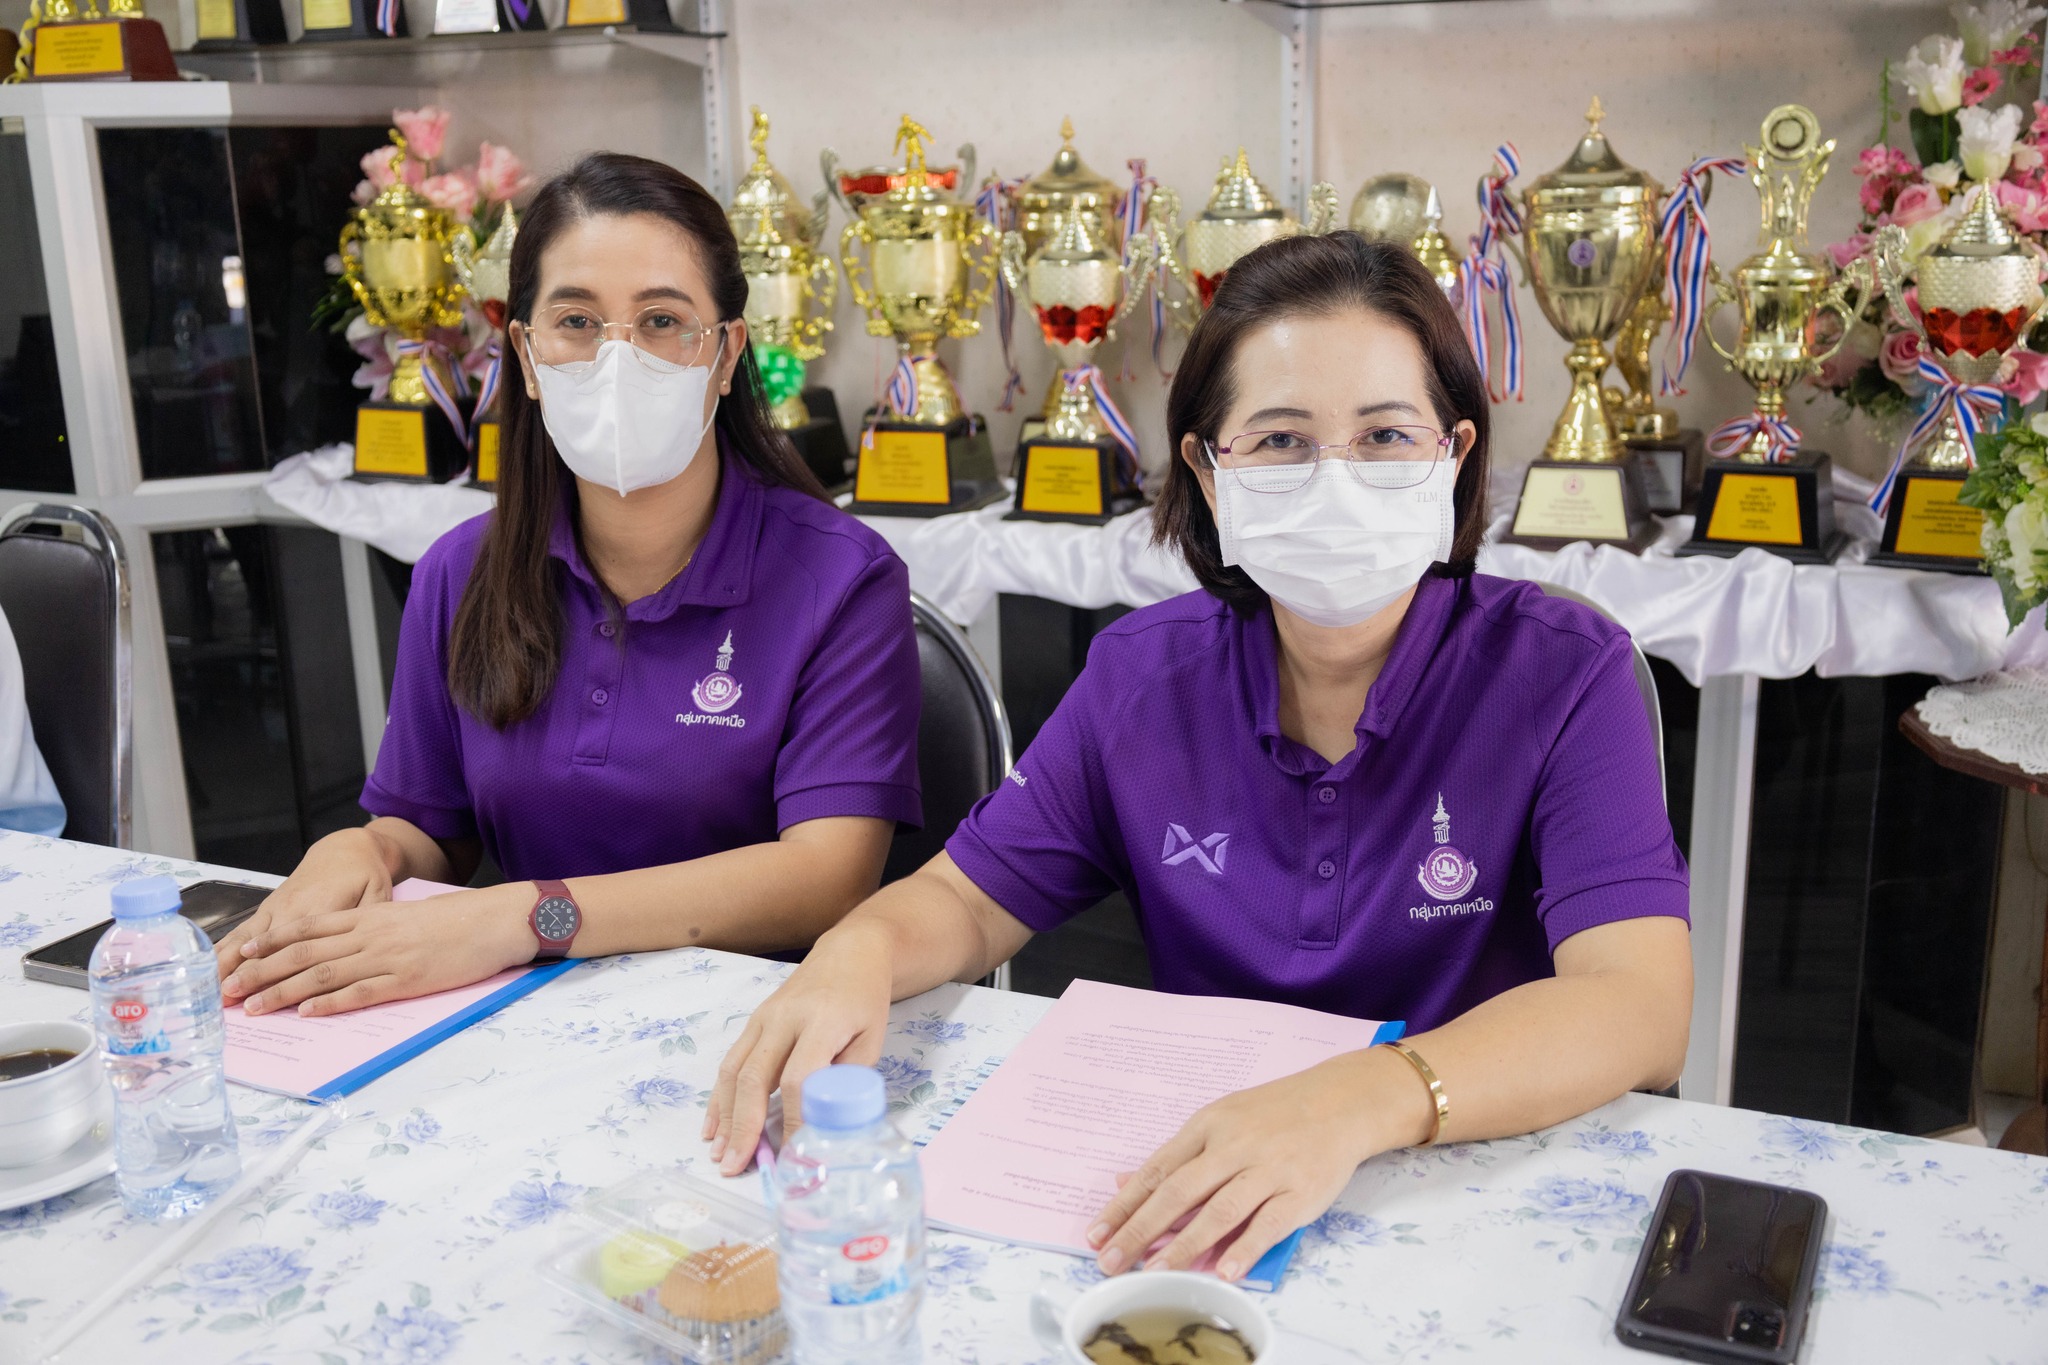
(177, 104)
(430, 59)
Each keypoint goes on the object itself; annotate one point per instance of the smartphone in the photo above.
(1726, 1271)
(216, 907)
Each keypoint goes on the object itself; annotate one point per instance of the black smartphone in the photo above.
(1726, 1271)
(216, 907)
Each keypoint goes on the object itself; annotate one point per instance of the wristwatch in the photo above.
(554, 920)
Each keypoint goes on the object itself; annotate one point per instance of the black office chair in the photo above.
(963, 745)
(64, 588)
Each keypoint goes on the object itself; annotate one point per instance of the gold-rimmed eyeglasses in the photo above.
(1382, 456)
(570, 334)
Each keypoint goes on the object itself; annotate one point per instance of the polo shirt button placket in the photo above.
(1326, 869)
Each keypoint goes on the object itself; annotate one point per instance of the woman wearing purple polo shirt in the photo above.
(666, 685)
(1349, 773)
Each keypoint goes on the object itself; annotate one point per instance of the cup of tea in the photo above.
(52, 1089)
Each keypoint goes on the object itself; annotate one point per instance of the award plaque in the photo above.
(340, 20)
(1926, 528)
(1565, 501)
(908, 469)
(484, 474)
(405, 441)
(1787, 508)
(1669, 469)
(238, 23)
(124, 46)
(464, 16)
(649, 16)
(1073, 481)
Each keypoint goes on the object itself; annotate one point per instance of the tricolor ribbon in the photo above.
(901, 394)
(1485, 271)
(1686, 253)
(1137, 206)
(1977, 407)
(997, 206)
(387, 18)
(487, 390)
(426, 351)
(1090, 376)
(1728, 439)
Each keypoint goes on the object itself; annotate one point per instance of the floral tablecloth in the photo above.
(410, 1232)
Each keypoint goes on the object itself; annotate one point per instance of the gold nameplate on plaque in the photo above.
(903, 466)
(1757, 508)
(217, 20)
(1934, 523)
(328, 13)
(581, 12)
(486, 452)
(80, 50)
(1062, 479)
(391, 441)
(1573, 503)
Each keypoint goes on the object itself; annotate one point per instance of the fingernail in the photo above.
(718, 1149)
(249, 949)
(1098, 1234)
(1112, 1260)
(253, 1005)
(1157, 1262)
(1230, 1270)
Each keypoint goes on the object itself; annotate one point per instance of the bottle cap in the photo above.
(843, 1097)
(142, 897)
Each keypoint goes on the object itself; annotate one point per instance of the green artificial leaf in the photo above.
(1935, 136)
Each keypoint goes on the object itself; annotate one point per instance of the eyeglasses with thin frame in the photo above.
(1379, 456)
(568, 335)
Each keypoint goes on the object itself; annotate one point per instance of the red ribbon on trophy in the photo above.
(1686, 254)
(1977, 408)
(997, 205)
(427, 351)
(1485, 271)
(1728, 439)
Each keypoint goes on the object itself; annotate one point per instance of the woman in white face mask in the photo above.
(1349, 774)
(670, 690)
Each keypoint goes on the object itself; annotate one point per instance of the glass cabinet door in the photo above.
(33, 453)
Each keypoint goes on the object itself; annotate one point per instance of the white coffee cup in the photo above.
(1064, 1319)
(43, 1114)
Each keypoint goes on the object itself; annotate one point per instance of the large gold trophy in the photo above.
(66, 41)
(1589, 251)
(397, 260)
(1762, 487)
(923, 454)
(485, 274)
(1403, 208)
(792, 283)
(1980, 293)
(1241, 214)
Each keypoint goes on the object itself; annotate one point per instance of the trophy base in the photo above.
(397, 442)
(1788, 509)
(1926, 528)
(341, 21)
(1567, 501)
(1670, 469)
(240, 25)
(483, 471)
(102, 50)
(821, 442)
(904, 469)
(1070, 481)
(648, 16)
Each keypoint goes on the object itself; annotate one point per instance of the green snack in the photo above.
(634, 1261)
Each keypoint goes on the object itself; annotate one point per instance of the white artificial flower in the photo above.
(2039, 423)
(1925, 234)
(1993, 26)
(1987, 139)
(2026, 531)
(1943, 175)
(1933, 73)
(2025, 157)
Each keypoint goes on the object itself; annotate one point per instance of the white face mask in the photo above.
(625, 421)
(1335, 551)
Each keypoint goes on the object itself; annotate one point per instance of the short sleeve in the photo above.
(1040, 844)
(419, 774)
(1599, 830)
(850, 746)
(29, 801)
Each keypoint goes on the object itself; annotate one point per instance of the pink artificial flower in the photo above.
(1980, 85)
(1904, 165)
(377, 169)
(425, 129)
(2028, 208)
(454, 191)
(1837, 370)
(1873, 192)
(499, 174)
(1916, 203)
(2024, 52)
(1841, 253)
(2024, 376)
(1899, 358)
(2037, 131)
(374, 373)
(1874, 161)
(364, 192)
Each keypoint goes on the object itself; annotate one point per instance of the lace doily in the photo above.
(2004, 715)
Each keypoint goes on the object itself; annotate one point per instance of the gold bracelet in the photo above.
(1436, 1089)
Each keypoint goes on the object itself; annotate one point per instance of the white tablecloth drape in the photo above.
(1755, 613)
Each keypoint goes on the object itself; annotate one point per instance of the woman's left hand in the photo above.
(1277, 1155)
(340, 960)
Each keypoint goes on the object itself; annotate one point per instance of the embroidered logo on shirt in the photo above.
(716, 691)
(1182, 847)
(1445, 874)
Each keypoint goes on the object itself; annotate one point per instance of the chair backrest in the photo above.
(963, 738)
(1646, 681)
(64, 588)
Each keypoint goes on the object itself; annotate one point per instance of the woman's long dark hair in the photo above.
(1314, 276)
(506, 645)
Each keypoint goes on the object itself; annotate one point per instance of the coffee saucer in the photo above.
(83, 1162)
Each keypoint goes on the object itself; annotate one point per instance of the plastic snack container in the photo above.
(681, 1262)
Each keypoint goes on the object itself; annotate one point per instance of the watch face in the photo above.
(556, 919)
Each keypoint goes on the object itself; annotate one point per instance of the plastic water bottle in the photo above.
(849, 1217)
(156, 1008)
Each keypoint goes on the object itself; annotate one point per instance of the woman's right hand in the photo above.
(833, 1008)
(344, 870)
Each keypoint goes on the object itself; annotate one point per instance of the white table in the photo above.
(408, 1235)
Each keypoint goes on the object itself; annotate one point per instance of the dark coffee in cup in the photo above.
(15, 1065)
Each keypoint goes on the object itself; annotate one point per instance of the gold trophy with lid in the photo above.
(398, 262)
(921, 454)
(1241, 214)
(1589, 246)
(486, 276)
(1761, 486)
(792, 283)
(1404, 208)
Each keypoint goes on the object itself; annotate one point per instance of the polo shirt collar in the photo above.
(720, 574)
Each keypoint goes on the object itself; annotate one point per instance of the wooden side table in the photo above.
(2028, 1132)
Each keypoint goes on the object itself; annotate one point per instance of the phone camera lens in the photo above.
(1758, 1327)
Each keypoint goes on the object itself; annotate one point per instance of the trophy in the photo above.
(1241, 214)
(1404, 208)
(1039, 202)
(1979, 295)
(334, 21)
(486, 275)
(396, 260)
(1590, 239)
(927, 455)
(230, 24)
(1760, 488)
(791, 286)
(62, 43)
(1083, 464)
(648, 16)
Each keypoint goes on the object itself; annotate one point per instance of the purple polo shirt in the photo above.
(1503, 796)
(774, 681)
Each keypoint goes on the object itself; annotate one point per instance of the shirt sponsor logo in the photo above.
(1446, 874)
(1183, 847)
(716, 693)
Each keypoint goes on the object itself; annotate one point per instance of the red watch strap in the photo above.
(550, 948)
